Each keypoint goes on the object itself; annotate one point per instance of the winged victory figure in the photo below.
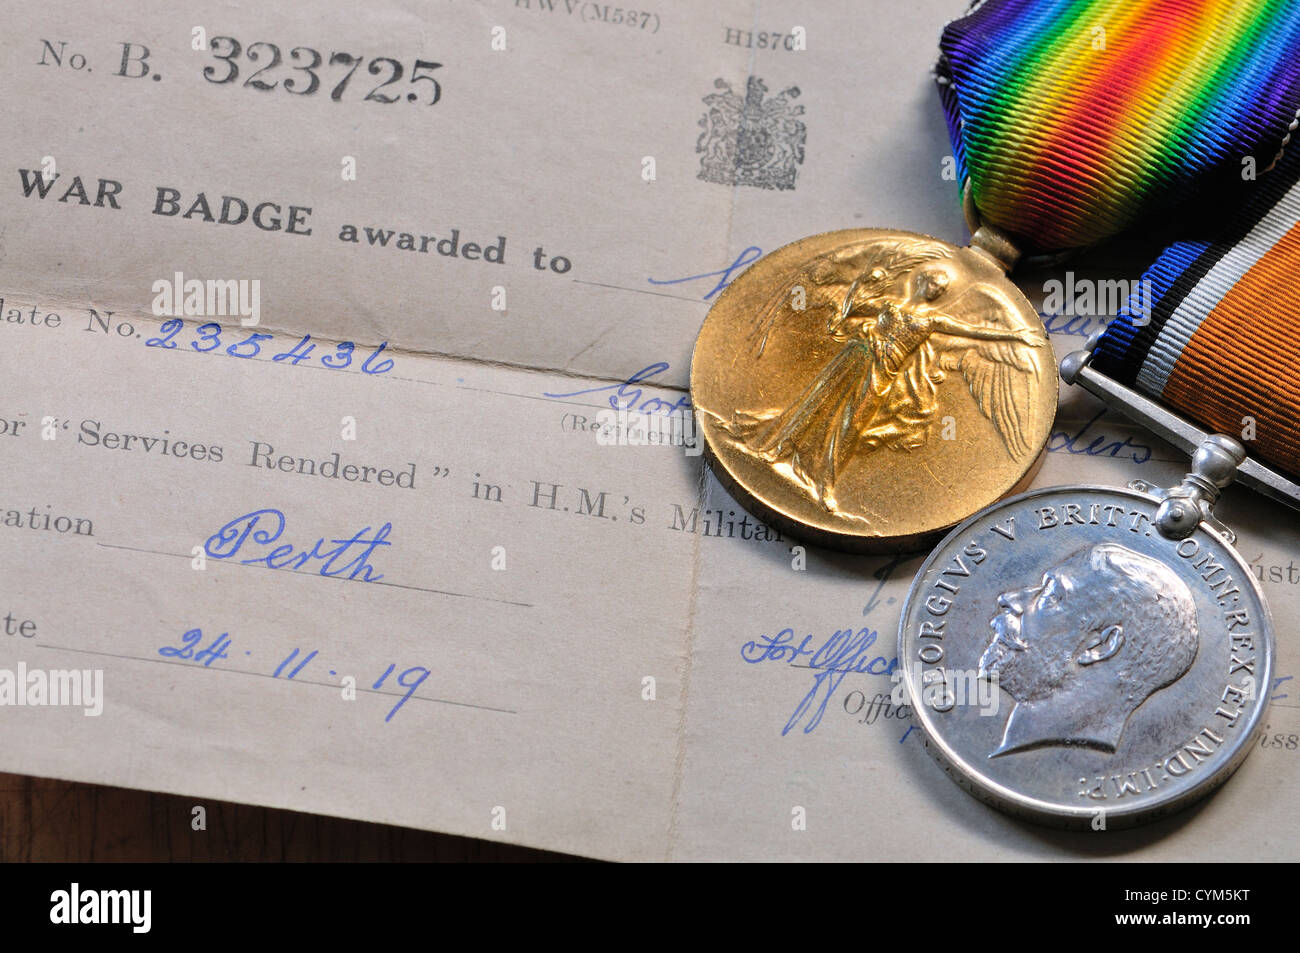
(891, 306)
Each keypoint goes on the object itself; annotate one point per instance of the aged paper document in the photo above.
(345, 450)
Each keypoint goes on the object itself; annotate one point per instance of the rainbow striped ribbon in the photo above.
(1215, 337)
(1072, 119)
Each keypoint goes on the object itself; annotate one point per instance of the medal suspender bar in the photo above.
(1131, 641)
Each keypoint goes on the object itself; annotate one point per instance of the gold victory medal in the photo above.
(869, 389)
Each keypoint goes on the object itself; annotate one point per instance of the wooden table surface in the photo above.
(46, 820)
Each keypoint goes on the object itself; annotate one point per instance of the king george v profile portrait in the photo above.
(1103, 631)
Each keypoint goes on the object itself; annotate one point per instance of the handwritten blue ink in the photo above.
(882, 574)
(251, 347)
(1072, 325)
(843, 652)
(411, 679)
(297, 668)
(265, 527)
(746, 258)
(1062, 442)
(419, 672)
(215, 651)
(910, 729)
(1277, 683)
(627, 395)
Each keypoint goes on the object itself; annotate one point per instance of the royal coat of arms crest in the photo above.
(751, 140)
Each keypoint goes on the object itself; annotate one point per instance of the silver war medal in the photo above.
(1089, 656)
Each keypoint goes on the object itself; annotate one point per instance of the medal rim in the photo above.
(847, 540)
(1043, 812)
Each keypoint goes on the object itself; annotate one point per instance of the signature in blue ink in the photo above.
(1073, 325)
(725, 276)
(628, 396)
(251, 534)
(1277, 683)
(845, 651)
(1099, 446)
